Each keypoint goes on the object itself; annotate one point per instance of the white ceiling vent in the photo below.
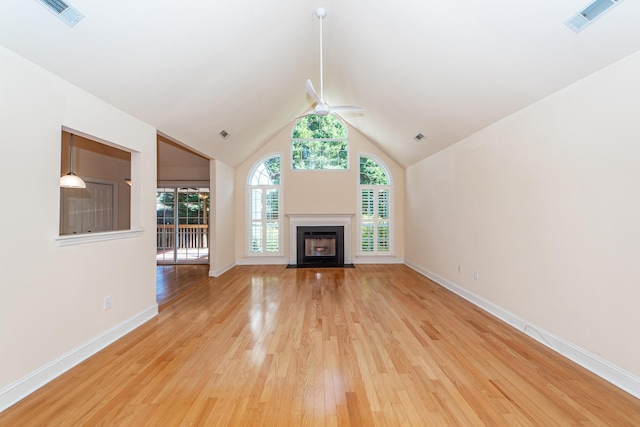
(69, 14)
(586, 16)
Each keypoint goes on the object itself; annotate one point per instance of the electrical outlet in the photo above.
(476, 275)
(107, 302)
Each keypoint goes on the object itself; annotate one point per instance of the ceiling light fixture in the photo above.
(71, 180)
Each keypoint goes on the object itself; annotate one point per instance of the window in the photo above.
(105, 204)
(375, 213)
(264, 218)
(319, 143)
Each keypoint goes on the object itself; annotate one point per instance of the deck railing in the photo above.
(188, 236)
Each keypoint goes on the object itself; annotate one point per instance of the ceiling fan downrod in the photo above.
(322, 108)
(321, 12)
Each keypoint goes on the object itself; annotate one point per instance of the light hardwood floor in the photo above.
(371, 346)
(175, 280)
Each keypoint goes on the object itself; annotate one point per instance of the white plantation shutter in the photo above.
(265, 220)
(374, 215)
(264, 208)
(382, 242)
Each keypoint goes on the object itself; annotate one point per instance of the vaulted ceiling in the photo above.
(445, 69)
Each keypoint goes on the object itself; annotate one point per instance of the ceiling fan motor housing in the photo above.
(321, 110)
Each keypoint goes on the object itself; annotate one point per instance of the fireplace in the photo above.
(338, 220)
(320, 245)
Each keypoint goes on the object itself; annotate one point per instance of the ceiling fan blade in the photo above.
(312, 92)
(346, 109)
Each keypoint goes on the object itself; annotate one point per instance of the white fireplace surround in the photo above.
(315, 220)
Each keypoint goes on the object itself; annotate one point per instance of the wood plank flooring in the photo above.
(378, 345)
(173, 281)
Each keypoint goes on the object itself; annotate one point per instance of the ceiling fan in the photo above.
(322, 108)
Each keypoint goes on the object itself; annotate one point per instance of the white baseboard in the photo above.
(604, 369)
(376, 260)
(285, 261)
(263, 260)
(27, 385)
(220, 271)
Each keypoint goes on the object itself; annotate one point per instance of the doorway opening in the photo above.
(182, 235)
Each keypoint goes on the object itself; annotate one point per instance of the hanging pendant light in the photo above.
(71, 180)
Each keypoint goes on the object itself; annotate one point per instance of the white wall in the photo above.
(545, 205)
(224, 218)
(51, 296)
(318, 192)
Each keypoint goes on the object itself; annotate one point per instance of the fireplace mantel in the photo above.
(309, 220)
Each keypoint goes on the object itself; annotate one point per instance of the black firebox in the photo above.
(320, 246)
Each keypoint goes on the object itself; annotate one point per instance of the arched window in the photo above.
(375, 213)
(264, 200)
(319, 143)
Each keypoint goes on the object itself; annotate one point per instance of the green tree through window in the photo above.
(371, 173)
(267, 172)
(319, 143)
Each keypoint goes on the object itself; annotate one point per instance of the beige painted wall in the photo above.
(545, 205)
(179, 164)
(224, 218)
(52, 295)
(314, 192)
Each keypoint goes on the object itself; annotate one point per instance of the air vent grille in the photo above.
(69, 14)
(55, 5)
(586, 16)
(597, 8)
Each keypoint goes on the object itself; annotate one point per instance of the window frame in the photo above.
(249, 188)
(321, 140)
(390, 207)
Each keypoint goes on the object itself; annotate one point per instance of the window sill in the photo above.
(78, 239)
